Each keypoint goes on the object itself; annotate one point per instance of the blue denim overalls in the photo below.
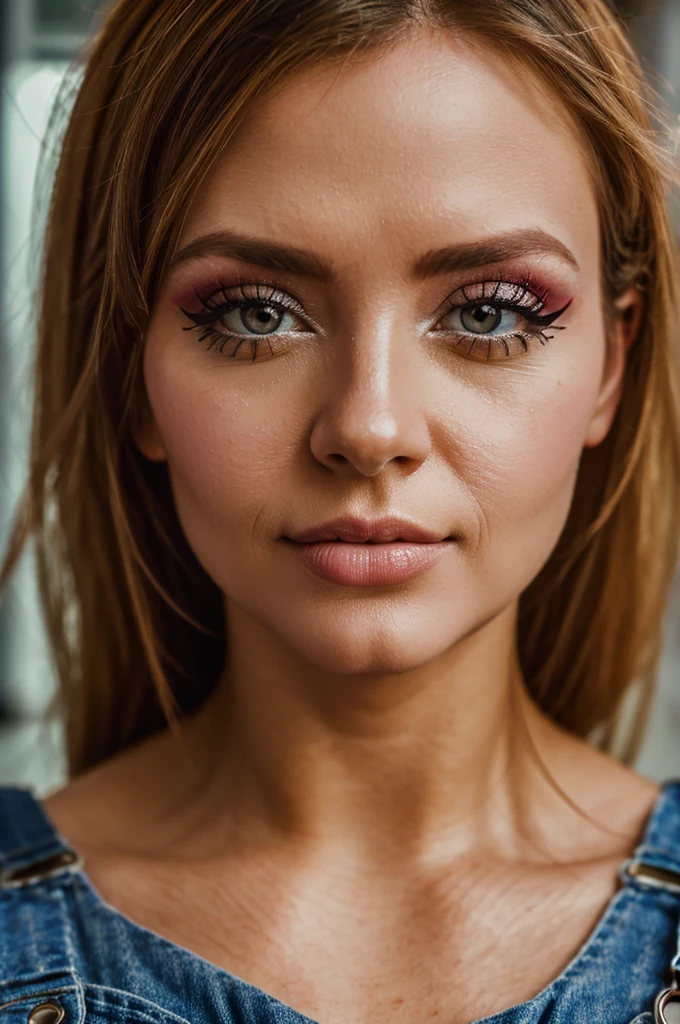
(68, 956)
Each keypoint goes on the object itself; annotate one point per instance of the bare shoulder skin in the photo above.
(357, 825)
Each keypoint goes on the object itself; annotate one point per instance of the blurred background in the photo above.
(38, 40)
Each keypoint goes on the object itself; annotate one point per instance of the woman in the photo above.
(355, 487)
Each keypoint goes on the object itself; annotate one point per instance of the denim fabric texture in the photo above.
(61, 943)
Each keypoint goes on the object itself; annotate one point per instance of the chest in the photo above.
(388, 954)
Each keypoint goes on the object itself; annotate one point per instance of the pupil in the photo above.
(481, 319)
(261, 319)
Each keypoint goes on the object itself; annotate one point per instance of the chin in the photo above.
(376, 642)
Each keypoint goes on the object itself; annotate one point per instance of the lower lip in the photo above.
(369, 565)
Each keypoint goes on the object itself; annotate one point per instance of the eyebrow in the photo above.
(465, 256)
(499, 249)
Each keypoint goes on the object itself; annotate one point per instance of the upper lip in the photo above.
(357, 530)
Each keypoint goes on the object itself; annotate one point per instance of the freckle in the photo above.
(398, 1001)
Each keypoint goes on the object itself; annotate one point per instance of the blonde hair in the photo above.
(135, 624)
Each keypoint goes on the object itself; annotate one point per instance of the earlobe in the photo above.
(629, 310)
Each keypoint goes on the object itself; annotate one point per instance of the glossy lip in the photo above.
(356, 530)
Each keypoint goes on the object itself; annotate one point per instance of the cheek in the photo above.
(523, 474)
(226, 447)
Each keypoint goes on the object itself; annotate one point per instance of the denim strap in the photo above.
(655, 865)
(34, 859)
(30, 847)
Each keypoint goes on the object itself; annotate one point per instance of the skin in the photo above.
(360, 823)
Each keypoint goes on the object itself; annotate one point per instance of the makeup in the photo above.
(496, 317)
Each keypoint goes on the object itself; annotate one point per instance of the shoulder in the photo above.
(593, 802)
(105, 808)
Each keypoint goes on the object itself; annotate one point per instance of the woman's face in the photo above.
(390, 240)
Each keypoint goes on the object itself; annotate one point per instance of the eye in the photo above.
(258, 318)
(482, 318)
(248, 313)
(497, 319)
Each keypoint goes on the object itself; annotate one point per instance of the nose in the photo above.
(372, 411)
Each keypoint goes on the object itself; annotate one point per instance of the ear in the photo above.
(145, 433)
(628, 312)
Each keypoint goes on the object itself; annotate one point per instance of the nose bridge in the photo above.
(373, 411)
(374, 353)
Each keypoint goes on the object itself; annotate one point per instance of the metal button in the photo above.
(46, 1013)
(667, 1006)
(41, 867)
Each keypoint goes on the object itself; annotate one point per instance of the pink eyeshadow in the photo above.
(186, 295)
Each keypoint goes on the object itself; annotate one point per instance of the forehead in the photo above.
(435, 139)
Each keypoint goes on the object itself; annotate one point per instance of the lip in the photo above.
(369, 565)
(357, 552)
(356, 530)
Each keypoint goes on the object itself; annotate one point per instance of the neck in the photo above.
(413, 763)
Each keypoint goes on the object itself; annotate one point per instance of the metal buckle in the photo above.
(46, 868)
(659, 878)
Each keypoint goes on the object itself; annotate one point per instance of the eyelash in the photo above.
(269, 296)
(523, 301)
